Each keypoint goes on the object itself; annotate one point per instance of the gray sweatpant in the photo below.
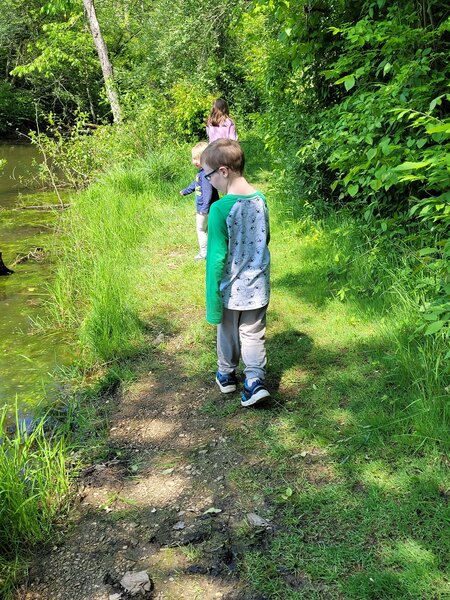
(242, 333)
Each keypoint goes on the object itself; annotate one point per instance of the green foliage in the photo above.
(59, 64)
(99, 298)
(357, 118)
(16, 107)
(81, 152)
(33, 485)
(62, 57)
(190, 109)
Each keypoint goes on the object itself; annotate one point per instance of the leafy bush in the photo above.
(357, 119)
(16, 107)
(190, 108)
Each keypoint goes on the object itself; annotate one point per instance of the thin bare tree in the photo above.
(102, 51)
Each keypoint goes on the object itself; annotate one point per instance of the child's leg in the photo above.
(252, 333)
(202, 228)
(228, 348)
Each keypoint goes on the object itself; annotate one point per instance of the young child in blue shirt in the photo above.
(205, 195)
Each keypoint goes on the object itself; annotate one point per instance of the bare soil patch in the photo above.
(162, 502)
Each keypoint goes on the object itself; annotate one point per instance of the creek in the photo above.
(29, 353)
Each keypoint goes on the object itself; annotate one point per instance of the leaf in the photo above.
(256, 521)
(353, 190)
(431, 317)
(347, 80)
(434, 327)
(445, 128)
(287, 493)
(375, 184)
(436, 101)
(212, 511)
(387, 68)
(412, 177)
(349, 83)
(406, 166)
(426, 251)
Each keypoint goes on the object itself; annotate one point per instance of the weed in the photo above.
(34, 485)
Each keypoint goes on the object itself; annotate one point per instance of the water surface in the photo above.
(28, 355)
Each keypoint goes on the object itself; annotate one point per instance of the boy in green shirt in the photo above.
(237, 271)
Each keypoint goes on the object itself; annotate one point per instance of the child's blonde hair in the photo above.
(198, 149)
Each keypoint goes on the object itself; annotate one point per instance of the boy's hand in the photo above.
(181, 194)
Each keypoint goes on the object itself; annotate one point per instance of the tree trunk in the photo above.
(3, 268)
(104, 60)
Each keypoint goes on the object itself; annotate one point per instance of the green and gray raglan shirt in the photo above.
(238, 258)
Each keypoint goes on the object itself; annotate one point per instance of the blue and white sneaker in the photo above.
(255, 393)
(227, 382)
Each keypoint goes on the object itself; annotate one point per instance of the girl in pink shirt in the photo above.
(219, 125)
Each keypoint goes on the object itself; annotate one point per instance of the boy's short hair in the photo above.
(198, 149)
(224, 153)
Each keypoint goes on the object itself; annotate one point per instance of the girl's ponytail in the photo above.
(219, 113)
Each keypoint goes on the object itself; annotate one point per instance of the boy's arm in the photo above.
(267, 222)
(207, 193)
(189, 189)
(215, 262)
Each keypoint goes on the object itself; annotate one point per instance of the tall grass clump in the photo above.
(388, 278)
(95, 289)
(33, 485)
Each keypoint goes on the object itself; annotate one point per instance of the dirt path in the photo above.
(163, 501)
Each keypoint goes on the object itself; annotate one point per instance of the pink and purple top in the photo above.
(226, 130)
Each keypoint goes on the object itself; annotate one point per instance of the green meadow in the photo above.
(352, 449)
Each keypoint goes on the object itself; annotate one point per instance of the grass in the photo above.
(34, 484)
(40, 458)
(351, 450)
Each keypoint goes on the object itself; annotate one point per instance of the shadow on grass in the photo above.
(352, 528)
(309, 285)
(286, 350)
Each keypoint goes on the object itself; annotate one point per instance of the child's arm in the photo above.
(207, 196)
(189, 189)
(215, 263)
(232, 133)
